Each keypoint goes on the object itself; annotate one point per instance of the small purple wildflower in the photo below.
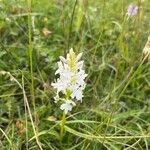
(132, 10)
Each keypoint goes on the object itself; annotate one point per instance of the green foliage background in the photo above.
(114, 114)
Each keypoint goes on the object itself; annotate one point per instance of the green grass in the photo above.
(114, 114)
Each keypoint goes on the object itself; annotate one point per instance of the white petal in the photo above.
(77, 94)
(60, 68)
(63, 59)
(79, 57)
(66, 107)
(56, 98)
(71, 51)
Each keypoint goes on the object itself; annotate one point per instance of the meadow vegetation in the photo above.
(115, 110)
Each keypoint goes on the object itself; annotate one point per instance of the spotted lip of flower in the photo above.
(70, 84)
(132, 10)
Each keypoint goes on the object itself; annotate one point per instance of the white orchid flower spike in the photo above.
(70, 84)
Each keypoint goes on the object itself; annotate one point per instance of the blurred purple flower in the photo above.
(132, 10)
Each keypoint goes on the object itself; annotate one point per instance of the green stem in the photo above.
(30, 53)
(30, 115)
(133, 75)
(62, 125)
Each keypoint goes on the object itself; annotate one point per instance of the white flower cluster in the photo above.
(70, 84)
